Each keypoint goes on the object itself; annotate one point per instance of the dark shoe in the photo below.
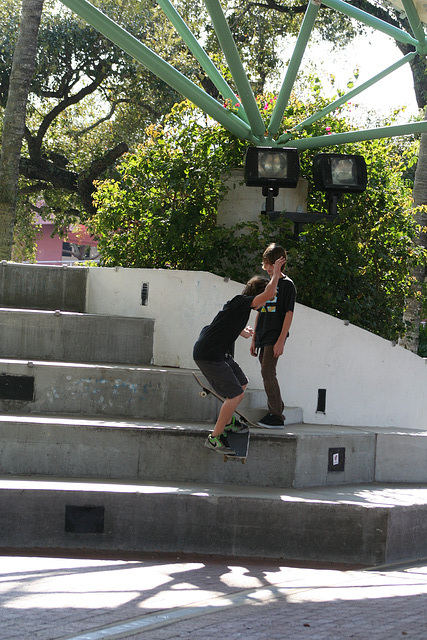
(270, 421)
(219, 444)
(236, 426)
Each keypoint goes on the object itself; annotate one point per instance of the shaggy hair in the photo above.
(273, 253)
(255, 286)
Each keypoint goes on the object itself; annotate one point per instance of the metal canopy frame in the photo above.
(246, 122)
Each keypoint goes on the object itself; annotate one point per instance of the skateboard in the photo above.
(238, 441)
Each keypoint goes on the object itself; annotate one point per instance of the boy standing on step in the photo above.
(213, 352)
(271, 331)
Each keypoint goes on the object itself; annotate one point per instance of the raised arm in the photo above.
(270, 289)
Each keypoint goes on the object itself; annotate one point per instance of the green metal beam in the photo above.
(348, 96)
(248, 124)
(294, 65)
(415, 22)
(201, 56)
(236, 68)
(357, 136)
(159, 67)
(371, 21)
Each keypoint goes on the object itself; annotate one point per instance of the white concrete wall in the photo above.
(244, 204)
(368, 381)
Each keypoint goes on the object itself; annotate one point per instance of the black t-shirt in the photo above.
(271, 315)
(216, 340)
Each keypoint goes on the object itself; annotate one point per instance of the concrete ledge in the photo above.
(126, 391)
(30, 286)
(254, 406)
(401, 455)
(172, 451)
(75, 337)
(108, 390)
(164, 449)
(353, 526)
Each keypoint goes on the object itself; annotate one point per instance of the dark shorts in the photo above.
(225, 377)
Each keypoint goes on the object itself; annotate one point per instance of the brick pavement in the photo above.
(165, 598)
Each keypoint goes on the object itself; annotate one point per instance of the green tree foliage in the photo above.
(359, 267)
(162, 213)
(88, 103)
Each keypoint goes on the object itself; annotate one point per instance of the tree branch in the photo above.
(99, 165)
(77, 134)
(59, 108)
(46, 171)
(85, 187)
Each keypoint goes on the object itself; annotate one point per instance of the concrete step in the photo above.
(31, 286)
(254, 407)
(355, 525)
(102, 389)
(173, 451)
(114, 390)
(75, 337)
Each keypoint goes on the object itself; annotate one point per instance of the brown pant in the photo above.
(271, 385)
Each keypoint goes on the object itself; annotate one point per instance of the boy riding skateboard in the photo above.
(214, 348)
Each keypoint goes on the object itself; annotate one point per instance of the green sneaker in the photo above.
(236, 426)
(219, 444)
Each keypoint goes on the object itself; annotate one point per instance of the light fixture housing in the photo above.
(339, 173)
(272, 167)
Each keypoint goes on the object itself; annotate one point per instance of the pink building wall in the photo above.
(50, 250)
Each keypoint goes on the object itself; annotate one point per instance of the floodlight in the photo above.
(271, 167)
(338, 173)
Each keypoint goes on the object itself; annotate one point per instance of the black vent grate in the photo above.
(16, 387)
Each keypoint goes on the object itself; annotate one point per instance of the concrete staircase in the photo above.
(101, 451)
